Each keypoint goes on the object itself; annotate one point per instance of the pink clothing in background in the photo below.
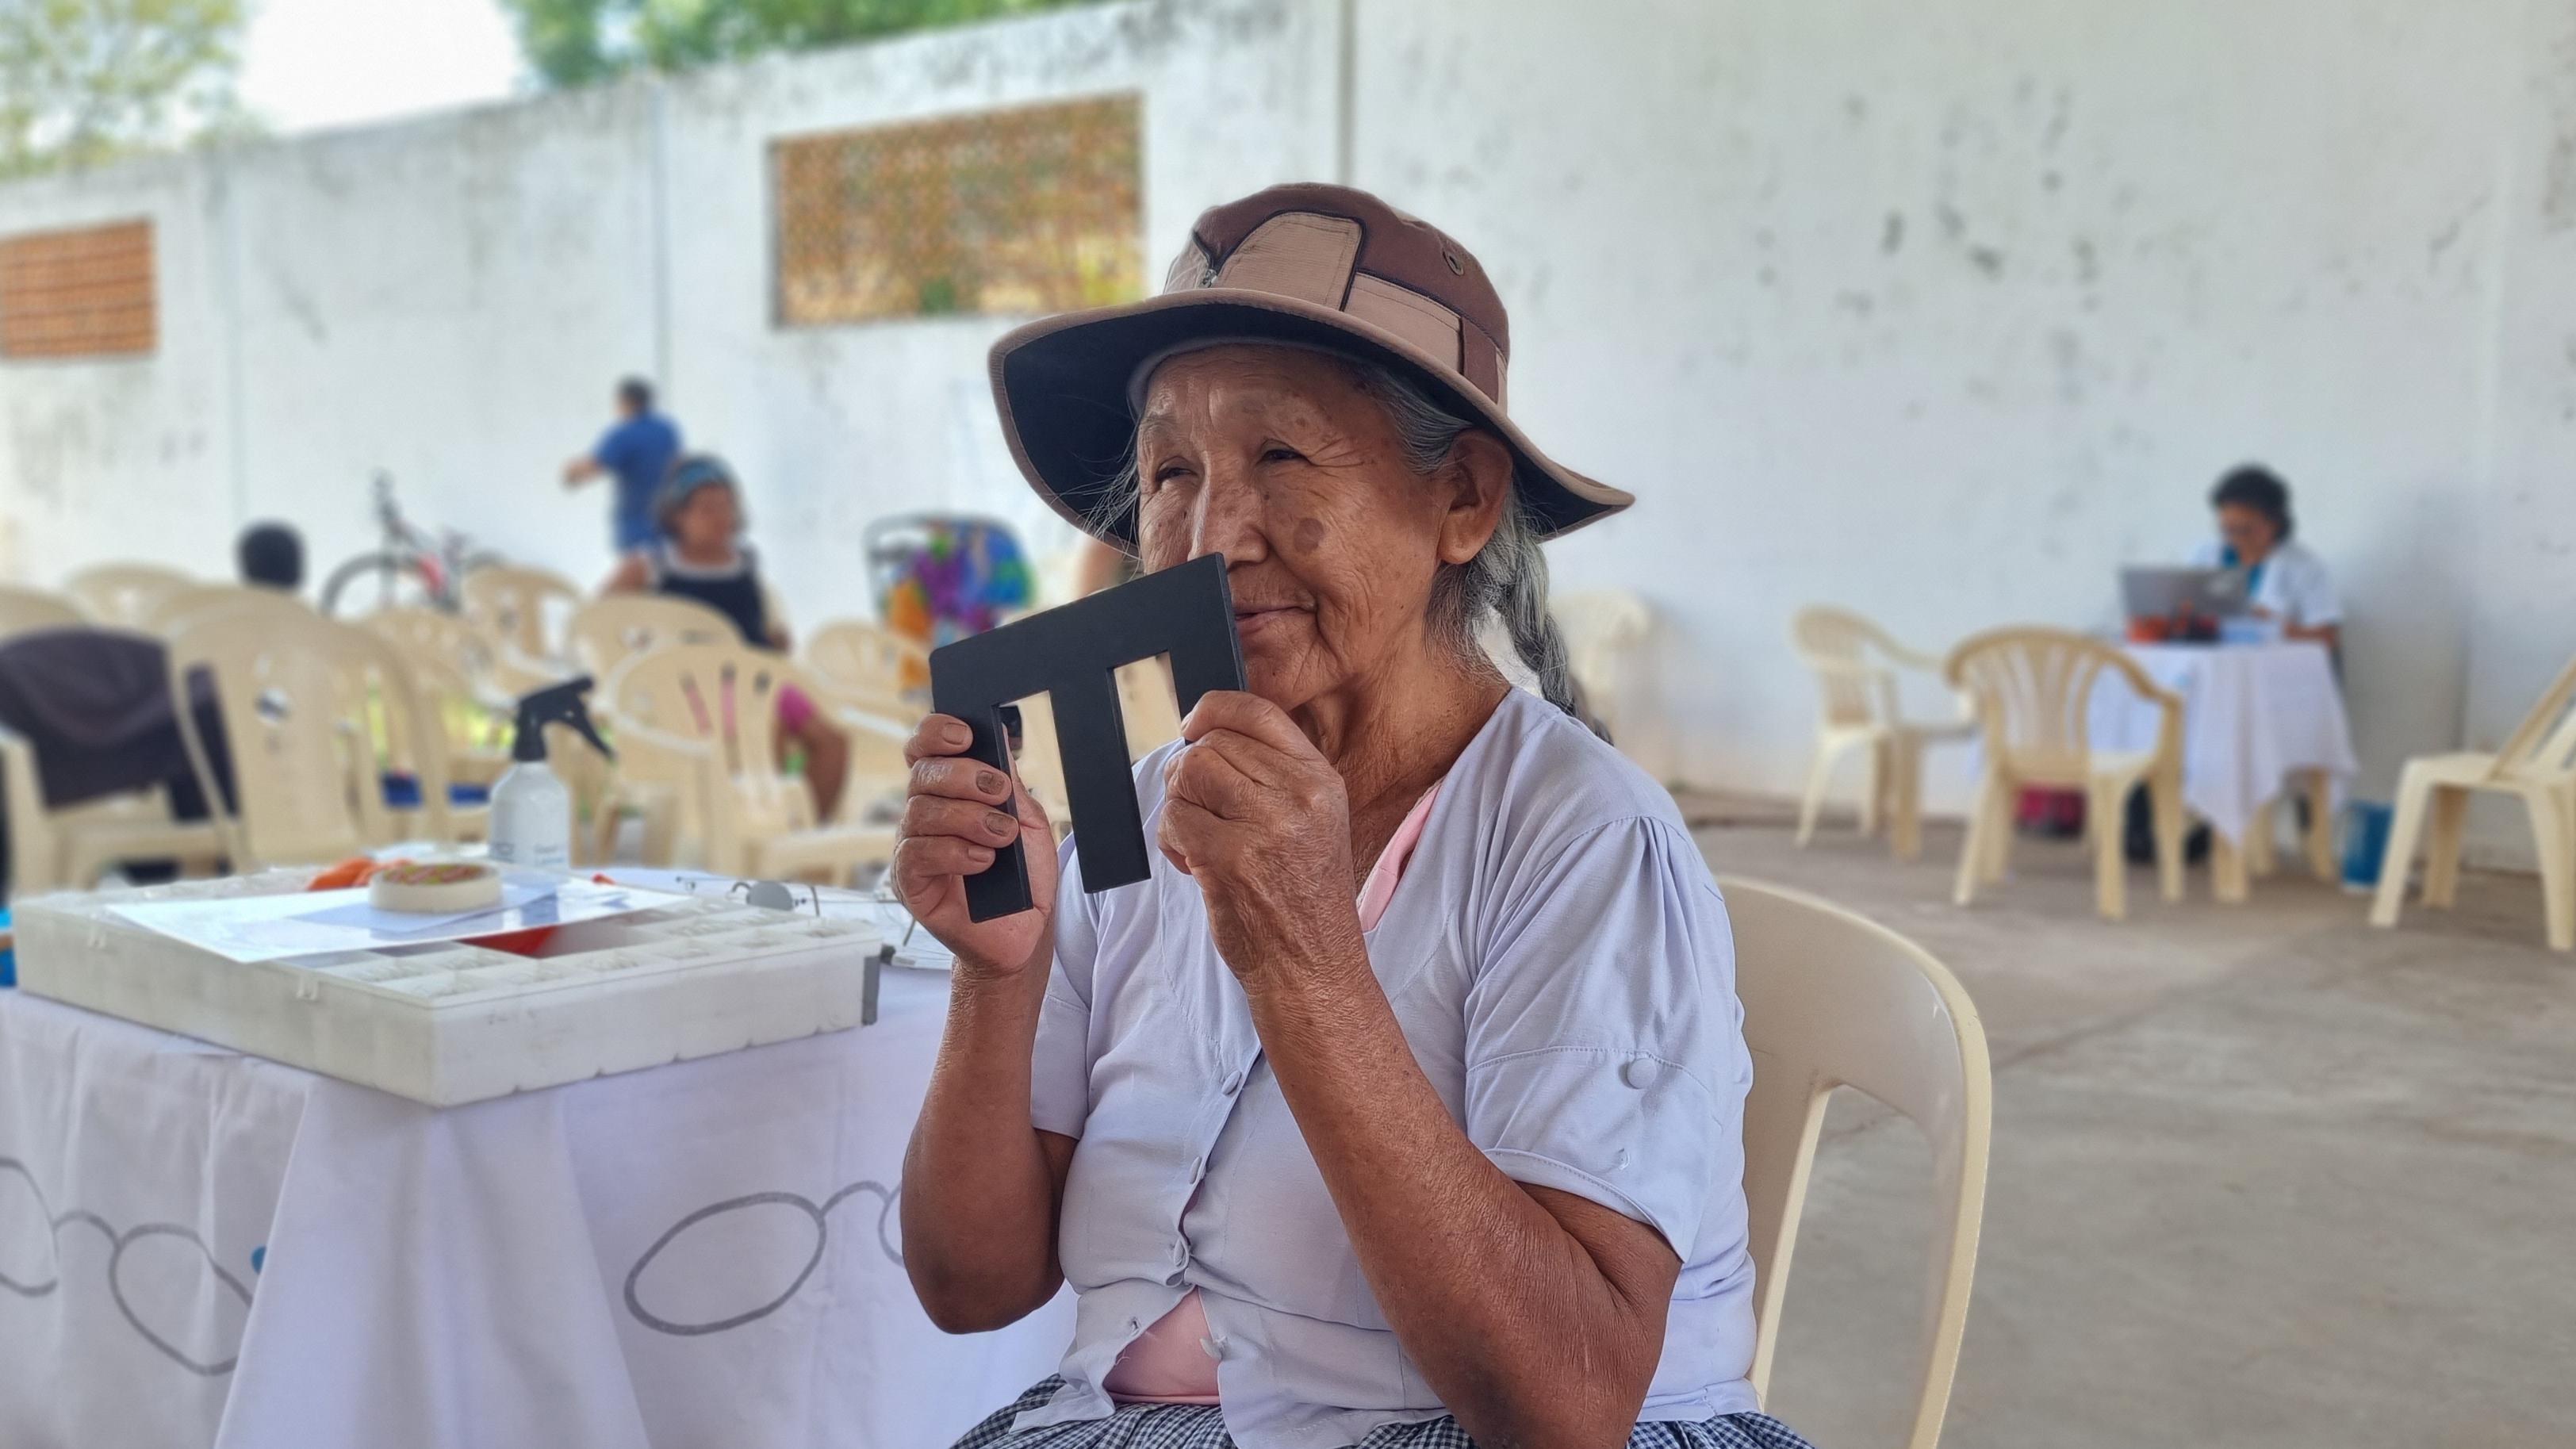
(1168, 1363)
(795, 707)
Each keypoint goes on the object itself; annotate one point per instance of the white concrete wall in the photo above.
(130, 457)
(1940, 309)
(832, 427)
(2523, 616)
(452, 299)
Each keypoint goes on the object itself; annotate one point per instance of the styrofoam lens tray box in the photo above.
(448, 1021)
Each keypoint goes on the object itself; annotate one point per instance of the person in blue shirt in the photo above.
(636, 450)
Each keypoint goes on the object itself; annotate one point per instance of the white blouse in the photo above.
(2293, 584)
(1559, 959)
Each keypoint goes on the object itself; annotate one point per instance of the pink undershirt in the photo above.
(1169, 1362)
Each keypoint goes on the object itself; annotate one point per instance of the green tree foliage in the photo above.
(575, 42)
(84, 81)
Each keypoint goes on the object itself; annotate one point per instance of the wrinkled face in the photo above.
(707, 521)
(1275, 458)
(2246, 531)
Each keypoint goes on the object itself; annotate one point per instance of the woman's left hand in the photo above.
(1257, 814)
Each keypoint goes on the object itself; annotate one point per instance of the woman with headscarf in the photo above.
(700, 556)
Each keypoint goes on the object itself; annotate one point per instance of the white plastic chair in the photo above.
(392, 720)
(1603, 629)
(1856, 665)
(123, 594)
(23, 611)
(453, 664)
(169, 610)
(607, 631)
(1149, 706)
(2032, 690)
(1041, 764)
(702, 720)
(91, 838)
(302, 768)
(603, 634)
(514, 605)
(2536, 766)
(864, 661)
(1833, 1000)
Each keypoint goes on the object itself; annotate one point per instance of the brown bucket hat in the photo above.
(1311, 265)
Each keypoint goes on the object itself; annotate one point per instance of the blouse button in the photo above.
(1135, 1325)
(1198, 1168)
(1640, 1072)
(1180, 1252)
(1233, 1084)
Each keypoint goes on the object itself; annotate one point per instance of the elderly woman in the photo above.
(1401, 1106)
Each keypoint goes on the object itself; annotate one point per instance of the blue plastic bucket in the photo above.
(2365, 843)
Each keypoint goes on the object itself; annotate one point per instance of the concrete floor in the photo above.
(2262, 1175)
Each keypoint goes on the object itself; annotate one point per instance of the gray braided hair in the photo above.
(1507, 577)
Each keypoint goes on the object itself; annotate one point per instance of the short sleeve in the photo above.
(1060, 1069)
(2314, 601)
(1604, 1045)
(610, 451)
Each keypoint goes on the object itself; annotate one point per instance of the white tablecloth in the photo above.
(202, 1248)
(2252, 713)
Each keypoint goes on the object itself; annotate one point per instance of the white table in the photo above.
(199, 1248)
(2258, 719)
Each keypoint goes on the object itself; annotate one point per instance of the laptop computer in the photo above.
(2163, 592)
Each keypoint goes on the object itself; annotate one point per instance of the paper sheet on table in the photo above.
(304, 923)
(914, 948)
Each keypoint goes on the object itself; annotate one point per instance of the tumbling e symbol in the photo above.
(118, 1242)
(822, 1240)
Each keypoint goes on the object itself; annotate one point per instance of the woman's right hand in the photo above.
(956, 815)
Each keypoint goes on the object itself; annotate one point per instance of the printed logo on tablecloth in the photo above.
(139, 1276)
(802, 1211)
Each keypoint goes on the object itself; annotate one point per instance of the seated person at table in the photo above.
(700, 557)
(2288, 585)
(94, 705)
(1402, 1104)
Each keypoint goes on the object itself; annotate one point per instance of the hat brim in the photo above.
(1061, 385)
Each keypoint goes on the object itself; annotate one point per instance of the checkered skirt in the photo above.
(1201, 1426)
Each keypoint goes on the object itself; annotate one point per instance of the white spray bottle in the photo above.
(531, 808)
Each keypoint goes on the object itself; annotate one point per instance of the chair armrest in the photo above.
(692, 767)
(1846, 668)
(2168, 704)
(855, 710)
(516, 671)
(642, 743)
